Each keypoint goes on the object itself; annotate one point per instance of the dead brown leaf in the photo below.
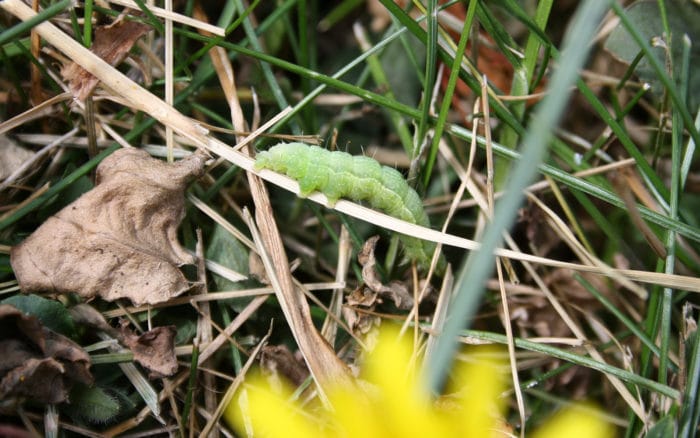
(37, 363)
(541, 237)
(278, 361)
(155, 349)
(396, 291)
(118, 240)
(11, 156)
(112, 43)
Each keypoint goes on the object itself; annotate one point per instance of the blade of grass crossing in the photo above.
(585, 361)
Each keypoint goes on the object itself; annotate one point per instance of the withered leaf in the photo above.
(37, 364)
(155, 349)
(112, 43)
(12, 156)
(118, 240)
(396, 291)
(278, 361)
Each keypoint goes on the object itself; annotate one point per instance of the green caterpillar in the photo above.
(358, 178)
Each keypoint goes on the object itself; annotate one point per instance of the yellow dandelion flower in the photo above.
(393, 402)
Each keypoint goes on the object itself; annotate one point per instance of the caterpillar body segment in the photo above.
(358, 178)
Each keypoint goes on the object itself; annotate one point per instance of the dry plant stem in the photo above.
(30, 163)
(544, 184)
(204, 208)
(35, 112)
(564, 232)
(169, 85)
(622, 183)
(204, 331)
(142, 100)
(330, 326)
(173, 16)
(440, 313)
(323, 364)
(233, 388)
(143, 413)
(224, 336)
(214, 296)
(507, 322)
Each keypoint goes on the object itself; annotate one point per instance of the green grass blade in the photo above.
(577, 359)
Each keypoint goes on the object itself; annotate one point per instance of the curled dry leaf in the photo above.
(112, 43)
(37, 363)
(155, 349)
(395, 290)
(118, 240)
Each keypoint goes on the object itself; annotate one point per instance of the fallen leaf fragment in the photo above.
(278, 362)
(118, 240)
(37, 363)
(112, 43)
(155, 349)
(11, 156)
(396, 291)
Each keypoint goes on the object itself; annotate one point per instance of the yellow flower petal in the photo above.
(403, 405)
(268, 412)
(576, 422)
(479, 385)
(354, 414)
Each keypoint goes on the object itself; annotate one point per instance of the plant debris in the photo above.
(12, 156)
(278, 362)
(37, 363)
(118, 240)
(112, 43)
(155, 349)
(396, 290)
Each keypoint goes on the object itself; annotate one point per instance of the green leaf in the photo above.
(683, 19)
(52, 314)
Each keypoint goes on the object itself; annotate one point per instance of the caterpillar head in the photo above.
(283, 157)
